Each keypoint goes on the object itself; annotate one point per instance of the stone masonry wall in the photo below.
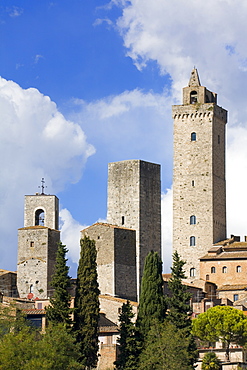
(134, 201)
(48, 203)
(198, 180)
(115, 259)
(37, 247)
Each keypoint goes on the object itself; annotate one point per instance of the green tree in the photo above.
(178, 303)
(59, 311)
(27, 349)
(127, 359)
(210, 362)
(152, 302)
(165, 349)
(221, 323)
(179, 310)
(87, 304)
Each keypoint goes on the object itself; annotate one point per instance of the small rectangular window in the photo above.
(122, 220)
(218, 139)
(193, 183)
(235, 297)
(31, 244)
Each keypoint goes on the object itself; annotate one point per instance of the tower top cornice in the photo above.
(194, 78)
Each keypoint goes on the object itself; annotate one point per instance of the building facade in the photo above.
(134, 201)
(199, 191)
(37, 246)
(116, 259)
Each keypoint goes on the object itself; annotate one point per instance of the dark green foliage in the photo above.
(210, 362)
(179, 310)
(27, 349)
(127, 359)
(87, 304)
(152, 303)
(178, 303)
(165, 349)
(59, 311)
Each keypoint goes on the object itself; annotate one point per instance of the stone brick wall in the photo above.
(48, 203)
(134, 201)
(198, 179)
(116, 263)
(37, 248)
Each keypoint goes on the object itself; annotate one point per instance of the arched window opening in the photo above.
(224, 269)
(192, 241)
(213, 270)
(39, 217)
(31, 288)
(238, 268)
(192, 220)
(192, 272)
(193, 136)
(193, 97)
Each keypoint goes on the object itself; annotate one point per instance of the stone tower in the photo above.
(199, 191)
(37, 246)
(134, 201)
(116, 259)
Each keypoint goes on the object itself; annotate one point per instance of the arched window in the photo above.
(224, 269)
(39, 217)
(192, 241)
(193, 97)
(213, 270)
(193, 136)
(192, 272)
(192, 220)
(238, 268)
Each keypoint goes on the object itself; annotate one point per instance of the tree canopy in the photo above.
(179, 310)
(221, 323)
(152, 302)
(87, 304)
(28, 349)
(210, 362)
(128, 353)
(165, 349)
(59, 311)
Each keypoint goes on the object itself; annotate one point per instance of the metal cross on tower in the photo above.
(42, 186)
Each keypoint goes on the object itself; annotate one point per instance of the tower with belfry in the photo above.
(199, 189)
(37, 245)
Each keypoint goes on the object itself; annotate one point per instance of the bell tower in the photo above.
(37, 245)
(199, 190)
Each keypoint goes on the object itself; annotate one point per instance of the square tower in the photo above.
(134, 201)
(116, 259)
(37, 246)
(199, 190)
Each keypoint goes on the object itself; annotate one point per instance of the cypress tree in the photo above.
(152, 305)
(59, 311)
(179, 310)
(127, 359)
(87, 304)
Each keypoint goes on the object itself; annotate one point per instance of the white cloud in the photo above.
(35, 141)
(70, 234)
(131, 125)
(181, 34)
(14, 11)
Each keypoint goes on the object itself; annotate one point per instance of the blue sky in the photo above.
(84, 83)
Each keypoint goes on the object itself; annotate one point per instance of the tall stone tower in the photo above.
(37, 246)
(199, 191)
(134, 201)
